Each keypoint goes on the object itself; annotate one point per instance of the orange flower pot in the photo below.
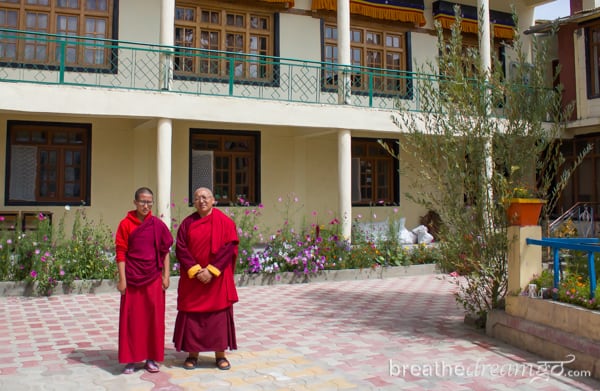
(524, 211)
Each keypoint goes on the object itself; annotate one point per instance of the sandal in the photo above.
(223, 363)
(190, 362)
(129, 369)
(151, 366)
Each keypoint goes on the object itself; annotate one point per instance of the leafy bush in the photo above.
(45, 257)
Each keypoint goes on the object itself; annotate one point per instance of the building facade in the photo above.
(100, 97)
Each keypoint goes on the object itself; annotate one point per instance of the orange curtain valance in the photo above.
(404, 10)
(470, 26)
(502, 22)
(290, 2)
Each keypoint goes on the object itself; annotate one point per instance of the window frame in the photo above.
(271, 65)
(593, 72)
(381, 28)
(53, 36)
(254, 180)
(13, 126)
(393, 176)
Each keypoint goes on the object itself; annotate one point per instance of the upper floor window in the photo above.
(383, 53)
(593, 60)
(47, 163)
(211, 26)
(84, 18)
(375, 177)
(226, 162)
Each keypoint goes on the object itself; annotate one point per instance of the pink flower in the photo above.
(33, 274)
(62, 272)
(41, 216)
(454, 274)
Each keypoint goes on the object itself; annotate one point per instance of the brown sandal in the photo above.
(223, 363)
(190, 362)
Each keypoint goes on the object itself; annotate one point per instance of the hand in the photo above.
(204, 276)
(122, 286)
(166, 281)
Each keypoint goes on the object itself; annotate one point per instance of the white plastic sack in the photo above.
(423, 235)
(404, 235)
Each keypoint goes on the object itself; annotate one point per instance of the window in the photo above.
(227, 163)
(85, 18)
(384, 53)
(593, 61)
(47, 163)
(375, 178)
(583, 186)
(210, 26)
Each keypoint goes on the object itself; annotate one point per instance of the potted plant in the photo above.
(524, 207)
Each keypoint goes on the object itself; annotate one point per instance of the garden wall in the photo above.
(107, 286)
(551, 329)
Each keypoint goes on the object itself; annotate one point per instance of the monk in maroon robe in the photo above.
(207, 247)
(142, 253)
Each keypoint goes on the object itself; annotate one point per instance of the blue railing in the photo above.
(588, 245)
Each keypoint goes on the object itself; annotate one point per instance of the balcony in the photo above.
(30, 57)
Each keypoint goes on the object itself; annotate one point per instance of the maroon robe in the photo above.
(205, 311)
(144, 246)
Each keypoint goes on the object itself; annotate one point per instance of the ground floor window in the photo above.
(47, 163)
(375, 175)
(226, 162)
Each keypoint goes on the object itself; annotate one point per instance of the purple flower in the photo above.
(33, 274)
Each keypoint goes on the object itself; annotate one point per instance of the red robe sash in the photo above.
(148, 245)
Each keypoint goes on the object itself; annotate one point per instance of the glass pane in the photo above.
(68, 3)
(38, 137)
(59, 138)
(68, 158)
(182, 13)
(69, 174)
(356, 36)
(97, 5)
(330, 33)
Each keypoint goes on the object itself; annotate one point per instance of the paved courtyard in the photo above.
(378, 334)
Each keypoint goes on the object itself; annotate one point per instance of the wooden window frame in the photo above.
(391, 173)
(383, 85)
(592, 61)
(219, 138)
(218, 68)
(81, 145)
(51, 44)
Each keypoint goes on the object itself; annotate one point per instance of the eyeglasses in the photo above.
(147, 203)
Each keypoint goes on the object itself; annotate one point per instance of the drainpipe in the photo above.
(344, 136)
(165, 125)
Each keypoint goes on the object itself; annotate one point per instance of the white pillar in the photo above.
(345, 181)
(167, 38)
(344, 136)
(483, 15)
(343, 30)
(163, 170)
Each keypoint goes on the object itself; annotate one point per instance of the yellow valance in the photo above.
(404, 10)
(470, 26)
(290, 2)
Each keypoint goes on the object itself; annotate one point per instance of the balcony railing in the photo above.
(32, 57)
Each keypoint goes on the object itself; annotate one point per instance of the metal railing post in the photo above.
(61, 72)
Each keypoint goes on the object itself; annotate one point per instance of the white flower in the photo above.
(67, 207)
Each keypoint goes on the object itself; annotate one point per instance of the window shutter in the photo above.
(23, 170)
(202, 170)
(356, 180)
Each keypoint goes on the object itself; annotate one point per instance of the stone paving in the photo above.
(379, 334)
